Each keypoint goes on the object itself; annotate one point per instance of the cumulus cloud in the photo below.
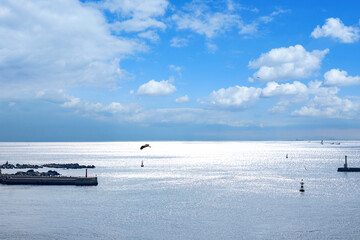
(289, 94)
(283, 64)
(295, 93)
(326, 104)
(329, 107)
(274, 89)
(182, 99)
(37, 50)
(233, 97)
(336, 29)
(154, 88)
(138, 15)
(340, 78)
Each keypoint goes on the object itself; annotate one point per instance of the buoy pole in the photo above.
(86, 173)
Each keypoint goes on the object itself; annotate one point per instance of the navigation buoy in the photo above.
(302, 186)
(142, 163)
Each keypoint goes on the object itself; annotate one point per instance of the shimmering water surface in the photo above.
(187, 190)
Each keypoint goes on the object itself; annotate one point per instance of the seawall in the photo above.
(46, 180)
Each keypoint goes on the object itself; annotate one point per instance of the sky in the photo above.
(135, 70)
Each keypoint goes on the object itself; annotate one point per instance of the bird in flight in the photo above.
(145, 146)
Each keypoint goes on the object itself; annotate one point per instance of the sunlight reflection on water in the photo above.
(187, 190)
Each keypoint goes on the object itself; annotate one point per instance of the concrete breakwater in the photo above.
(45, 178)
(48, 180)
(48, 165)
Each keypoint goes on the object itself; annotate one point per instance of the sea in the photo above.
(186, 190)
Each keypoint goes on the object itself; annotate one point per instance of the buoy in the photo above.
(86, 173)
(302, 186)
(142, 163)
(287, 156)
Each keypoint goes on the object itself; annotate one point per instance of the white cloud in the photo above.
(278, 108)
(336, 29)
(114, 110)
(190, 115)
(44, 46)
(204, 22)
(154, 88)
(178, 42)
(295, 93)
(137, 8)
(317, 88)
(329, 107)
(98, 109)
(132, 112)
(340, 78)
(283, 64)
(137, 25)
(234, 97)
(289, 93)
(253, 27)
(325, 103)
(138, 15)
(151, 35)
(54, 96)
(270, 18)
(274, 89)
(250, 28)
(210, 20)
(182, 99)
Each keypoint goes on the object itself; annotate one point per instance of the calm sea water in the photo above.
(187, 190)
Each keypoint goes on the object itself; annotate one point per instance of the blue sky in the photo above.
(121, 70)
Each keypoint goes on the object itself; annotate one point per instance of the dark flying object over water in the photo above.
(145, 146)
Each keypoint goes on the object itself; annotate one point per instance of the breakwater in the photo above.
(48, 165)
(50, 177)
(47, 180)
